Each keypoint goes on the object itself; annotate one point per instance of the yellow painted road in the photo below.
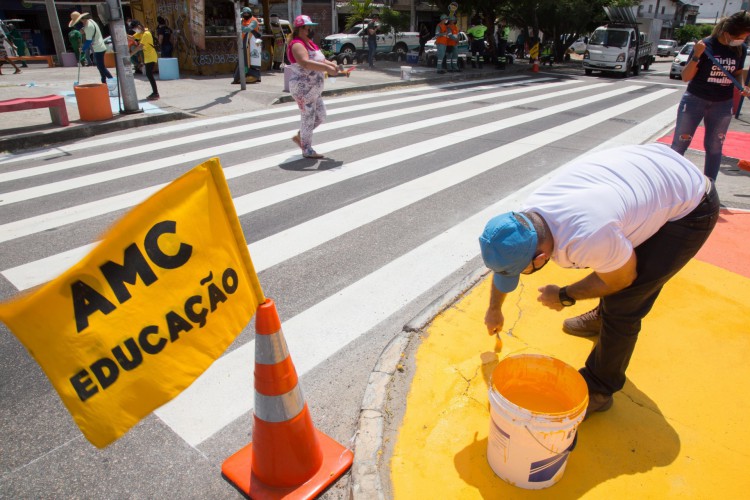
(679, 429)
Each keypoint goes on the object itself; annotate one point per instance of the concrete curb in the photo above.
(365, 483)
(70, 133)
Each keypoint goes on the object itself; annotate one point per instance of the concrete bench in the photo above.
(55, 103)
(50, 61)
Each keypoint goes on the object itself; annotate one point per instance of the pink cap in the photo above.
(303, 21)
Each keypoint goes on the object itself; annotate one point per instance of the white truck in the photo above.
(348, 45)
(620, 47)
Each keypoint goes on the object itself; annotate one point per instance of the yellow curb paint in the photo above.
(679, 428)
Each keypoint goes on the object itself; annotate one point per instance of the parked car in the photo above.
(346, 45)
(680, 60)
(667, 48)
(579, 46)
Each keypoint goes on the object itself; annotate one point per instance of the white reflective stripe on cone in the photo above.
(279, 408)
(270, 349)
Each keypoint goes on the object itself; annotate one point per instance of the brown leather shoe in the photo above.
(598, 402)
(587, 324)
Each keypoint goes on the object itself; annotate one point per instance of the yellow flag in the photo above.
(148, 310)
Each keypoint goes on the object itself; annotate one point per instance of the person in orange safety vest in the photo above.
(451, 50)
(441, 41)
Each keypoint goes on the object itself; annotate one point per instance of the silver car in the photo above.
(666, 48)
(680, 60)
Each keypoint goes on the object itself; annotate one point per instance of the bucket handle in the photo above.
(569, 449)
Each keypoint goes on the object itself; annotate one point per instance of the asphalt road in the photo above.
(350, 247)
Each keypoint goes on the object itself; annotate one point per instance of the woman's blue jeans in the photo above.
(371, 47)
(716, 117)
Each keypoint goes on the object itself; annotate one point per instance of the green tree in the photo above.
(390, 20)
(360, 12)
(563, 21)
(692, 32)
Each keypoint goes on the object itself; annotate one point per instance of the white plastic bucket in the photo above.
(537, 403)
(406, 72)
(112, 87)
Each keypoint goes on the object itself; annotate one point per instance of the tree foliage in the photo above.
(390, 20)
(692, 32)
(563, 21)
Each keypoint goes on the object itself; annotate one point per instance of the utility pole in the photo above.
(54, 24)
(413, 15)
(241, 52)
(122, 58)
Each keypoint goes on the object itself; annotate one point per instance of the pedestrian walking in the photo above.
(146, 45)
(4, 54)
(308, 66)
(94, 41)
(17, 39)
(710, 90)
(634, 215)
(372, 39)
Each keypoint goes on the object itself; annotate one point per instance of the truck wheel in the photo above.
(587, 71)
(349, 50)
(646, 66)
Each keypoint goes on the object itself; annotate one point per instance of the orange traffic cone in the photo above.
(535, 67)
(287, 458)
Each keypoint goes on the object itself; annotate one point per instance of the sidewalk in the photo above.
(188, 97)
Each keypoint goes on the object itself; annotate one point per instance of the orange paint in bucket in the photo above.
(537, 403)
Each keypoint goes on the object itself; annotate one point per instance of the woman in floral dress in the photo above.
(306, 82)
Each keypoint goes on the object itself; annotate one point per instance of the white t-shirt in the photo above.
(94, 33)
(602, 207)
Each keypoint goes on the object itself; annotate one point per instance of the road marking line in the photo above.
(202, 154)
(181, 127)
(43, 222)
(27, 275)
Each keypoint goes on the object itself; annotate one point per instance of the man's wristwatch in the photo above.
(565, 299)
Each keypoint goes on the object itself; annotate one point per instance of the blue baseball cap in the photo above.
(508, 244)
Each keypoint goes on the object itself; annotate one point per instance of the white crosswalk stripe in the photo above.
(397, 153)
